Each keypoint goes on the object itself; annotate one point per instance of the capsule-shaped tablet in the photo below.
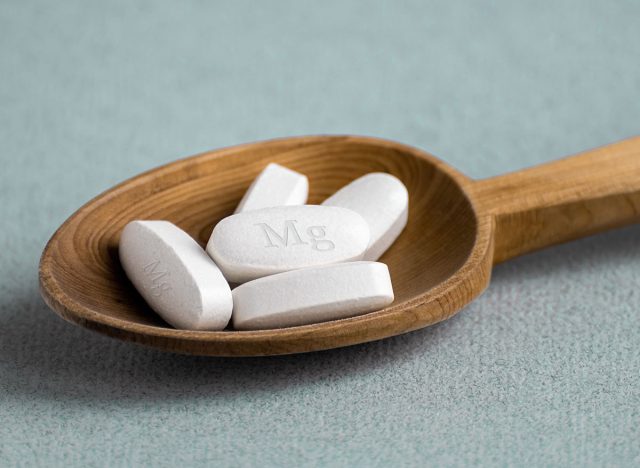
(312, 295)
(264, 242)
(175, 276)
(383, 201)
(276, 185)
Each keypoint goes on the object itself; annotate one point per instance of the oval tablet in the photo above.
(383, 201)
(175, 276)
(275, 186)
(263, 242)
(312, 295)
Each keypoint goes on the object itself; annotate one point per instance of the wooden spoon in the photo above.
(458, 228)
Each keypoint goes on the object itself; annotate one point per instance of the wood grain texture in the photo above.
(441, 261)
(564, 199)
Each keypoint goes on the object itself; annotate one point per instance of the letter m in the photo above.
(290, 236)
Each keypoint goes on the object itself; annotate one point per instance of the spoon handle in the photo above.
(563, 200)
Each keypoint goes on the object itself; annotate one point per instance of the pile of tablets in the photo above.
(291, 263)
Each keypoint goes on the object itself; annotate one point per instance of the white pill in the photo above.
(275, 186)
(382, 200)
(175, 276)
(264, 242)
(312, 295)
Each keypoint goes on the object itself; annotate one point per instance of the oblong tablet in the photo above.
(264, 242)
(276, 185)
(312, 295)
(175, 276)
(383, 201)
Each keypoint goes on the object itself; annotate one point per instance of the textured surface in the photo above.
(237, 243)
(275, 186)
(312, 295)
(173, 273)
(383, 201)
(542, 369)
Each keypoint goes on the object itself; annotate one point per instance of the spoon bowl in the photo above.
(458, 228)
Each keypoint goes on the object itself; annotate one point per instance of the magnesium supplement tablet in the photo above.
(312, 295)
(275, 186)
(264, 242)
(175, 276)
(383, 202)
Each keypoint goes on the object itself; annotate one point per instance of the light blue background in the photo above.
(542, 370)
